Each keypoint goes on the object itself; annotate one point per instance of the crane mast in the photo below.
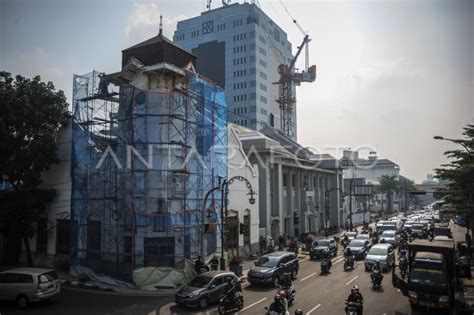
(288, 77)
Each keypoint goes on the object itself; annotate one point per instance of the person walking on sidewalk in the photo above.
(281, 241)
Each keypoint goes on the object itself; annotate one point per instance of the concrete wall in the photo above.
(58, 178)
(239, 165)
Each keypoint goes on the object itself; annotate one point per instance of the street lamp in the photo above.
(223, 187)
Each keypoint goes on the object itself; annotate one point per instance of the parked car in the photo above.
(25, 285)
(270, 267)
(390, 237)
(380, 252)
(323, 245)
(206, 288)
(359, 248)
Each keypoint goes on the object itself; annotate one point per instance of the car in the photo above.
(364, 236)
(380, 252)
(390, 237)
(323, 245)
(25, 285)
(206, 288)
(270, 267)
(358, 248)
(417, 230)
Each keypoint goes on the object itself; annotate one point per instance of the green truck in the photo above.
(432, 274)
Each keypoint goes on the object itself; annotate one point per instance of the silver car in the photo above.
(390, 237)
(382, 253)
(25, 285)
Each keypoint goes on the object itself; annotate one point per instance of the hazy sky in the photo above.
(390, 74)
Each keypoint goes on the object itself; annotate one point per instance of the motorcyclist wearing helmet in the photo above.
(280, 303)
(356, 297)
(326, 256)
(377, 271)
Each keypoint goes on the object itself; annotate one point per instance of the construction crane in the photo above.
(288, 77)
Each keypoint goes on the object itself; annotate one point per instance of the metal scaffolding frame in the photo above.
(142, 163)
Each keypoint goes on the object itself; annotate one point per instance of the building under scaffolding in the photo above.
(144, 156)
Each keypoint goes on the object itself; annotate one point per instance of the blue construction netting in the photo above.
(142, 164)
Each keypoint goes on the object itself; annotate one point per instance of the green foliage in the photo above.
(31, 114)
(388, 183)
(459, 174)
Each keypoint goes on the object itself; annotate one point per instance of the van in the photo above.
(25, 285)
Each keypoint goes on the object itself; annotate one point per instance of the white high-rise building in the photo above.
(240, 48)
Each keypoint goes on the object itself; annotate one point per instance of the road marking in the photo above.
(253, 304)
(313, 309)
(349, 282)
(308, 276)
(338, 261)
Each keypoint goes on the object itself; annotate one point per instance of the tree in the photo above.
(388, 185)
(31, 114)
(459, 175)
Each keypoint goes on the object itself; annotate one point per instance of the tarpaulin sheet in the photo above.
(76, 270)
(152, 278)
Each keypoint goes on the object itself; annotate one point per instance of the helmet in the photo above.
(276, 298)
(355, 289)
(299, 312)
(282, 294)
(382, 240)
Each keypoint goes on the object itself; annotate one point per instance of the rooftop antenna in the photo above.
(161, 25)
(208, 6)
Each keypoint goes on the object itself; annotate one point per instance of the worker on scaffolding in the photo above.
(103, 85)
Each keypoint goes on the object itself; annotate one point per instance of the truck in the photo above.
(431, 281)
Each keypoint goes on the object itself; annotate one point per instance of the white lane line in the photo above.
(313, 309)
(253, 304)
(308, 276)
(349, 282)
(338, 261)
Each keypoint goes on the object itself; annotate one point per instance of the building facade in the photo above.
(240, 48)
(297, 193)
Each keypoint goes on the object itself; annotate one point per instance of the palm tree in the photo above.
(388, 185)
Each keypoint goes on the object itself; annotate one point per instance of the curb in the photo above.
(84, 285)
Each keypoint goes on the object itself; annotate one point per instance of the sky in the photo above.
(391, 74)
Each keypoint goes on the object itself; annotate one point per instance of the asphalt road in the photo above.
(316, 294)
(82, 302)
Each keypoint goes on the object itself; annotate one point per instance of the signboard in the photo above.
(361, 190)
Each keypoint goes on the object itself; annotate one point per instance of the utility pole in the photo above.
(351, 226)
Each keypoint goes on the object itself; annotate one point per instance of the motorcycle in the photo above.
(231, 303)
(290, 293)
(348, 263)
(376, 278)
(325, 265)
(352, 308)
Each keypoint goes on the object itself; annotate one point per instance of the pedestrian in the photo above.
(281, 241)
(214, 263)
(263, 245)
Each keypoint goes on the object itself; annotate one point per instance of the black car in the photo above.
(206, 288)
(359, 248)
(325, 245)
(270, 267)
